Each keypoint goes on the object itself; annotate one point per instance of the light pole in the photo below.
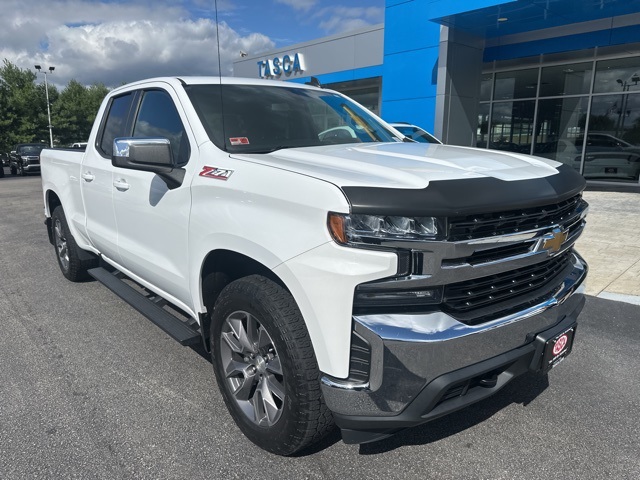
(46, 89)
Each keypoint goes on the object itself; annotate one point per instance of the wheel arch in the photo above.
(219, 268)
(52, 201)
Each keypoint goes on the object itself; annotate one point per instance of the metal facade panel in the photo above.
(353, 51)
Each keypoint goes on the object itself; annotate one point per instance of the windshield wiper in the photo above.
(268, 149)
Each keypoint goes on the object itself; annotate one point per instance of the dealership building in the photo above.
(554, 78)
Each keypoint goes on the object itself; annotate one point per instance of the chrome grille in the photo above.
(512, 221)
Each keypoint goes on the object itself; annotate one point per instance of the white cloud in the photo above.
(90, 41)
(303, 5)
(340, 25)
(116, 41)
(127, 51)
(344, 19)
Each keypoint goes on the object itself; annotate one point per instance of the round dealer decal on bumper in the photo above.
(561, 343)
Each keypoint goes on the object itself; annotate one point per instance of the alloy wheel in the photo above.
(252, 368)
(61, 244)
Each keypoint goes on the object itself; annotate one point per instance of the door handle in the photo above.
(88, 176)
(121, 185)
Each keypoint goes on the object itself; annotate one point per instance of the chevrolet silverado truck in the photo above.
(25, 158)
(338, 272)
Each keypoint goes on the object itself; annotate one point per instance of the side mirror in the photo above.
(148, 155)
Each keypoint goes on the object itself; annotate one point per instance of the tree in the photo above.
(23, 109)
(75, 110)
(23, 114)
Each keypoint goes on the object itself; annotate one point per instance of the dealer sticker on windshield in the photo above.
(238, 140)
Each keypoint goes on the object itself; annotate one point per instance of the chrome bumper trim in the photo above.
(439, 326)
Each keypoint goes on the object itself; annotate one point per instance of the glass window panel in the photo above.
(618, 76)
(482, 134)
(613, 139)
(516, 84)
(560, 129)
(116, 122)
(574, 79)
(364, 91)
(512, 126)
(485, 87)
(158, 117)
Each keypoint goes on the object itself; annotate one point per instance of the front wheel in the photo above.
(266, 368)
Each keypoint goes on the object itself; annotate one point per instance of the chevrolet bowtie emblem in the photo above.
(554, 240)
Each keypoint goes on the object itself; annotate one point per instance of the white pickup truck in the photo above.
(338, 272)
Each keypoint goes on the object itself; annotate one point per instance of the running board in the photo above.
(173, 326)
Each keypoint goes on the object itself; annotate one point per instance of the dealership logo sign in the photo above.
(277, 66)
(560, 345)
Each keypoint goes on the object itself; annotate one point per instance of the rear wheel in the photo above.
(266, 368)
(68, 253)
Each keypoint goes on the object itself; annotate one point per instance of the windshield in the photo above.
(30, 149)
(262, 119)
(416, 134)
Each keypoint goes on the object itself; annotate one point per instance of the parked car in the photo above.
(25, 158)
(606, 158)
(604, 142)
(415, 133)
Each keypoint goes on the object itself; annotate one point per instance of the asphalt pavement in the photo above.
(90, 389)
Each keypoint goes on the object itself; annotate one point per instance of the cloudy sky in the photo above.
(118, 41)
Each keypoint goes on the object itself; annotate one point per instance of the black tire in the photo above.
(271, 363)
(67, 251)
(13, 170)
(22, 172)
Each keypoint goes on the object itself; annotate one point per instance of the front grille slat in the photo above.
(487, 291)
(490, 255)
(502, 223)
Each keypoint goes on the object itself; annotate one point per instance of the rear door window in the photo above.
(115, 124)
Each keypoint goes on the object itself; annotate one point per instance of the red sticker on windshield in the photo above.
(239, 141)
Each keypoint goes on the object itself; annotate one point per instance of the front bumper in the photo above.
(426, 366)
(31, 168)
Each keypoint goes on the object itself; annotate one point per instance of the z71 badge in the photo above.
(215, 172)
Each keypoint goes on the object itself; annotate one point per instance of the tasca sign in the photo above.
(277, 66)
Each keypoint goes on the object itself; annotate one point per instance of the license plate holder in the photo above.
(557, 348)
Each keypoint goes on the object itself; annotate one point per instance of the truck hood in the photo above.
(403, 165)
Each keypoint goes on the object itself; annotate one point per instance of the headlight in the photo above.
(374, 229)
(367, 296)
